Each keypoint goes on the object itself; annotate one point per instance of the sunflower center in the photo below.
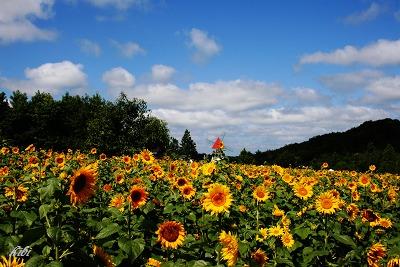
(170, 233)
(326, 203)
(260, 194)
(136, 196)
(181, 182)
(187, 191)
(80, 183)
(218, 199)
(60, 160)
(146, 157)
(364, 180)
(303, 191)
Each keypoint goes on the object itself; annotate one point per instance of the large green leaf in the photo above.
(109, 230)
(345, 239)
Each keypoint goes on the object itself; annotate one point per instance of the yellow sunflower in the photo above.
(230, 248)
(11, 262)
(261, 193)
(83, 185)
(287, 240)
(181, 181)
(218, 199)
(153, 263)
(118, 202)
(275, 231)
(385, 223)
(364, 180)
(171, 234)
(147, 156)
(326, 203)
(303, 191)
(137, 196)
(277, 211)
(103, 256)
(259, 257)
(375, 253)
(20, 193)
(394, 262)
(208, 168)
(188, 191)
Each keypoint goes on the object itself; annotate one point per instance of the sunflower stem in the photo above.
(129, 221)
(257, 217)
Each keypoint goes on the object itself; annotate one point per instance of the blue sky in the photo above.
(262, 74)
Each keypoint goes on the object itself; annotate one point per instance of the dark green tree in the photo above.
(188, 146)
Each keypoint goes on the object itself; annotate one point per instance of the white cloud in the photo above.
(118, 79)
(350, 81)
(162, 73)
(118, 4)
(205, 46)
(383, 89)
(308, 95)
(90, 47)
(235, 95)
(16, 18)
(129, 49)
(380, 53)
(372, 12)
(49, 77)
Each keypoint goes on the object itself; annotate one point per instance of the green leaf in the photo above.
(302, 232)
(35, 261)
(6, 228)
(169, 208)
(54, 233)
(54, 264)
(109, 230)
(133, 248)
(285, 261)
(44, 209)
(345, 239)
(199, 263)
(48, 191)
(32, 235)
(244, 248)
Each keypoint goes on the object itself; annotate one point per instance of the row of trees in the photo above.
(83, 122)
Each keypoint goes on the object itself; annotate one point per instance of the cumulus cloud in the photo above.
(380, 53)
(383, 89)
(16, 18)
(205, 46)
(235, 95)
(350, 81)
(90, 47)
(372, 12)
(118, 79)
(162, 73)
(118, 4)
(50, 77)
(129, 49)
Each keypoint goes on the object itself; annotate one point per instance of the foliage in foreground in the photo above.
(86, 209)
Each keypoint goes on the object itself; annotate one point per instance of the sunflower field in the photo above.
(91, 209)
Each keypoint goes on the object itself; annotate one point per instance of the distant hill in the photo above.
(373, 142)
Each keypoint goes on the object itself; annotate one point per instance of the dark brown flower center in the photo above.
(136, 196)
(80, 183)
(170, 233)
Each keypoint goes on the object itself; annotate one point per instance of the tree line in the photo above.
(373, 142)
(83, 122)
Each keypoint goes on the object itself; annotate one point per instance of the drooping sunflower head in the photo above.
(171, 234)
(103, 256)
(11, 261)
(137, 196)
(326, 203)
(369, 216)
(385, 223)
(20, 193)
(303, 191)
(352, 211)
(230, 249)
(218, 199)
(375, 253)
(83, 185)
(259, 257)
(261, 194)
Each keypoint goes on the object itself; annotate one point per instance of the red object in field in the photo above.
(218, 144)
